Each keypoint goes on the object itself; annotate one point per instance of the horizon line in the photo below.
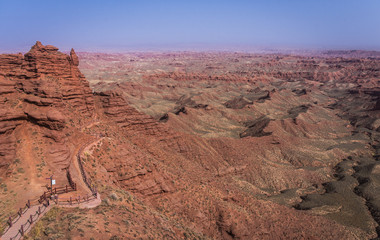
(213, 48)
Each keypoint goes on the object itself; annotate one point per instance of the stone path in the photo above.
(14, 230)
(90, 204)
(14, 233)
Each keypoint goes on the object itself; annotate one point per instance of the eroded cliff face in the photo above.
(127, 118)
(222, 184)
(228, 163)
(243, 140)
(45, 89)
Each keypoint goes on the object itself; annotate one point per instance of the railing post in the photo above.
(55, 190)
(10, 221)
(20, 212)
(28, 204)
(22, 230)
(48, 202)
(66, 188)
(70, 201)
(39, 210)
(79, 199)
(31, 219)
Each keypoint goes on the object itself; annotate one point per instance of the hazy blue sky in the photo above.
(142, 24)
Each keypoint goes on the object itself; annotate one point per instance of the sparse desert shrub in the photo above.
(57, 236)
(106, 202)
(126, 222)
(113, 196)
(72, 217)
(48, 231)
(52, 214)
(37, 230)
(90, 225)
(1, 230)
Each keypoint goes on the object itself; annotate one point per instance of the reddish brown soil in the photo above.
(198, 145)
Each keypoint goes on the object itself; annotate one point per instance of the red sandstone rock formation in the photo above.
(43, 87)
(217, 186)
(126, 117)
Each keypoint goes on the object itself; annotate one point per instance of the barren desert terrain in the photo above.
(194, 145)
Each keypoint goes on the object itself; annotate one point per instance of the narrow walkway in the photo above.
(14, 233)
(90, 204)
(27, 220)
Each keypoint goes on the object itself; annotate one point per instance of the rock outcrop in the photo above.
(44, 87)
(127, 117)
(9, 120)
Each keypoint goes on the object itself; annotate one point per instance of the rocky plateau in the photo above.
(196, 145)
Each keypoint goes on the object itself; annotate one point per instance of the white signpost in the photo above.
(52, 182)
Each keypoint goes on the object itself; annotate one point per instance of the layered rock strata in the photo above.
(44, 87)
